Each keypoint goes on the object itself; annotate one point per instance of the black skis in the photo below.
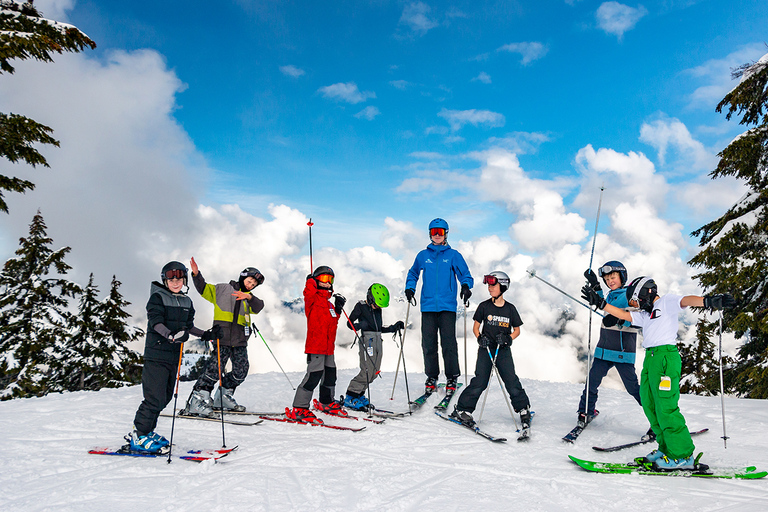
(473, 428)
(636, 443)
(578, 429)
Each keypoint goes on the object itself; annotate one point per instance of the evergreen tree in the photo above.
(120, 365)
(701, 363)
(734, 255)
(33, 312)
(25, 34)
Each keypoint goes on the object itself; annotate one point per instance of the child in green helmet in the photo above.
(366, 318)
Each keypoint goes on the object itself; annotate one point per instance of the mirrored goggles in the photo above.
(325, 278)
(437, 232)
(175, 273)
(490, 280)
(607, 269)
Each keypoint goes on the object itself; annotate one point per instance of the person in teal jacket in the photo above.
(442, 269)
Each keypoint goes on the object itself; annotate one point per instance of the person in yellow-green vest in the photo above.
(233, 305)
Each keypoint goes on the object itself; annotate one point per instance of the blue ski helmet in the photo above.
(440, 224)
(613, 266)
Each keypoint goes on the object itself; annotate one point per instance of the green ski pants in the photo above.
(659, 393)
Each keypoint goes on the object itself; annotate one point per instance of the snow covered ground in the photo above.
(417, 463)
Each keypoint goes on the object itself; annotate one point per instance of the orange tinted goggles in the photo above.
(325, 278)
(437, 232)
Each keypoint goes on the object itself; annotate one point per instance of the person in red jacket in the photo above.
(322, 322)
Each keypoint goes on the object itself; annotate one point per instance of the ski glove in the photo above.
(399, 325)
(338, 302)
(721, 301)
(592, 297)
(466, 293)
(503, 339)
(484, 340)
(409, 294)
(592, 280)
(179, 336)
(610, 321)
(214, 333)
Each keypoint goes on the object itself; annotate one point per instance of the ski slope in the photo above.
(418, 463)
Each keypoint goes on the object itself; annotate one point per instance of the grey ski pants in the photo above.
(321, 369)
(370, 347)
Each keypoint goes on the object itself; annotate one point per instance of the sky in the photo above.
(219, 133)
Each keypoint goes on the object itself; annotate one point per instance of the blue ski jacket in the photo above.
(442, 267)
(618, 338)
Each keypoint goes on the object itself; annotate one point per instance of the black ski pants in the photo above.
(445, 322)
(599, 370)
(506, 368)
(158, 381)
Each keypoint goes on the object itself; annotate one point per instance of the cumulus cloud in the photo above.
(292, 71)
(368, 113)
(529, 51)
(615, 18)
(347, 92)
(671, 134)
(482, 77)
(459, 118)
(520, 142)
(416, 20)
(55, 9)
(400, 84)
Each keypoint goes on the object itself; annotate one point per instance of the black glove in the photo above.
(592, 280)
(179, 336)
(399, 325)
(592, 297)
(484, 341)
(721, 301)
(409, 294)
(466, 293)
(610, 321)
(338, 302)
(503, 339)
(214, 333)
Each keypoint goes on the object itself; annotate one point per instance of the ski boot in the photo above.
(199, 404)
(302, 415)
(450, 385)
(334, 408)
(145, 444)
(654, 456)
(465, 417)
(666, 464)
(430, 385)
(649, 436)
(358, 403)
(227, 396)
(585, 419)
(525, 418)
(163, 442)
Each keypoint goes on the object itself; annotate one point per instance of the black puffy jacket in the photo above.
(176, 312)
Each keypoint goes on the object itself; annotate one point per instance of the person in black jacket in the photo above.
(366, 317)
(170, 321)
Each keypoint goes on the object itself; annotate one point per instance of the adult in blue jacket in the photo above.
(443, 267)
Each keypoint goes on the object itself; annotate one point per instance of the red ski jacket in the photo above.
(322, 320)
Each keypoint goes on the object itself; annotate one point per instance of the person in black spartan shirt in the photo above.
(501, 324)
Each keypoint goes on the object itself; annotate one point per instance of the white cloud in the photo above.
(292, 71)
(54, 9)
(400, 84)
(668, 133)
(520, 142)
(529, 51)
(347, 92)
(458, 118)
(615, 18)
(416, 18)
(368, 113)
(716, 75)
(482, 77)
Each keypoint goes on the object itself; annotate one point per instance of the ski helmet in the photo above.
(438, 224)
(613, 266)
(378, 294)
(323, 270)
(173, 269)
(642, 290)
(497, 276)
(250, 272)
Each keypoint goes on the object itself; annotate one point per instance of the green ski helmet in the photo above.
(378, 294)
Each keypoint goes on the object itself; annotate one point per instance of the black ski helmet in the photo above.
(173, 269)
(613, 266)
(378, 294)
(501, 277)
(323, 270)
(250, 272)
(643, 290)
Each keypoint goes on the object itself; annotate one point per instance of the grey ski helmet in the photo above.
(497, 276)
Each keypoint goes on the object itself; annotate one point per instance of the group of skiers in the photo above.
(628, 308)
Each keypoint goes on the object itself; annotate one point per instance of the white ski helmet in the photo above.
(497, 276)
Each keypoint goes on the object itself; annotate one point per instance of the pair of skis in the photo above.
(190, 455)
(642, 466)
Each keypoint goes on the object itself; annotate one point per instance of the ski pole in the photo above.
(175, 401)
(503, 392)
(311, 266)
(221, 394)
(589, 331)
(722, 391)
(465, 344)
(405, 375)
(487, 385)
(402, 355)
(532, 273)
(273, 355)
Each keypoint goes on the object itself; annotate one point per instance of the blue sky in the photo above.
(216, 130)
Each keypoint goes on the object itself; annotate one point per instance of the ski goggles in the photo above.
(490, 280)
(607, 269)
(325, 278)
(437, 232)
(254, 273)
(175, 273)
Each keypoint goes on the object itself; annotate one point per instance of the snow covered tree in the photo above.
(25, 34)
(33, 313)
(734, 255)
(95, 355)
(701, 365)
